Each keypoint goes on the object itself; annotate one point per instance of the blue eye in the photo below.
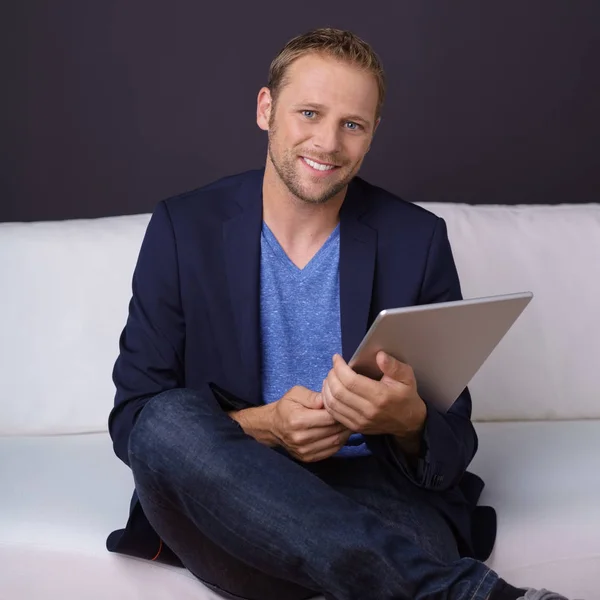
(354, 127)
(309, 114)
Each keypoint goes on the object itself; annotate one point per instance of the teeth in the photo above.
(317, 166)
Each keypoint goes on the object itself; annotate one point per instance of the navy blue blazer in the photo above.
(194, 320)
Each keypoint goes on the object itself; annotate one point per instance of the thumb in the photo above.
(317, 400)
(308, 398)
(394, 369)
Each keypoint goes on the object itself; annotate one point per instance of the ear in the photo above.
(264, 105)
(376, 125)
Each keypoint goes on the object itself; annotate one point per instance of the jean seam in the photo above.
(474, 596)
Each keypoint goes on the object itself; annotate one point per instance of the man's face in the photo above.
(321, 126)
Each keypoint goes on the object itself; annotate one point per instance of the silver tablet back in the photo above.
(445, 343)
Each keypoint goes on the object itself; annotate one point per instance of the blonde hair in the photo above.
(339, 44)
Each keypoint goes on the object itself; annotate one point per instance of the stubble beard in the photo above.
(287, 172)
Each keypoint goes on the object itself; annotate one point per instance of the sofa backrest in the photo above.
(547, 366)
(65, 289)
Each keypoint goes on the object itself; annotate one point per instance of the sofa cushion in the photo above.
(544, 480)
(29, 573)
(546, 366)
(63, 495)
(66, 286)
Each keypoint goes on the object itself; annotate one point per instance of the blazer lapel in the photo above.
(241, 239)
(358, 251)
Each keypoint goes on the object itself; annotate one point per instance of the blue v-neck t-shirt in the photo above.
(300, 321)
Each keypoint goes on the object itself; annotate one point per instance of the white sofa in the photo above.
(65, 288)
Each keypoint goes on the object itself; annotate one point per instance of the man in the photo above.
(262, 462)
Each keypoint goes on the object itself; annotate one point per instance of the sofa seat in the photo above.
(543, 478)
(62, 495)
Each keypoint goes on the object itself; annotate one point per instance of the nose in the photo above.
(327, 138)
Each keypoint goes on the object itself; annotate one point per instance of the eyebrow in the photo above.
(316, 106)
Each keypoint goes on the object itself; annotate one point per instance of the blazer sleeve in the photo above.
(449, 439)
(151, 346)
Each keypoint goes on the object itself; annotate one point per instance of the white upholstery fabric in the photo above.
(547, 365)
(543, 479)
(65, 291)
(34, 573)
(66, 493)
(66, 287)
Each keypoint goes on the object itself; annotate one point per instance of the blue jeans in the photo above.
(251, 522)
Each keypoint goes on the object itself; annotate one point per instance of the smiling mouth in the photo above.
(319, 166)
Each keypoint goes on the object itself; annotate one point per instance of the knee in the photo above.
(171, 425)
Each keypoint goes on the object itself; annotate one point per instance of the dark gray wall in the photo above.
(109, 106)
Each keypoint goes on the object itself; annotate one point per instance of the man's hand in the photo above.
(389, 406)
(304, 428)
(298, 422)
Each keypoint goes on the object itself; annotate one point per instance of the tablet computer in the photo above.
(445, 343)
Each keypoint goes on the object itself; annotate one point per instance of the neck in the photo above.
(293, 221)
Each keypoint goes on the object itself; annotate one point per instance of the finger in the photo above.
(339, 394)
(329, 444)
(322, 455)
(306, 397)
(338, 410)
(395, 369)
(359, 384)
(314, 418)
(318, 433)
